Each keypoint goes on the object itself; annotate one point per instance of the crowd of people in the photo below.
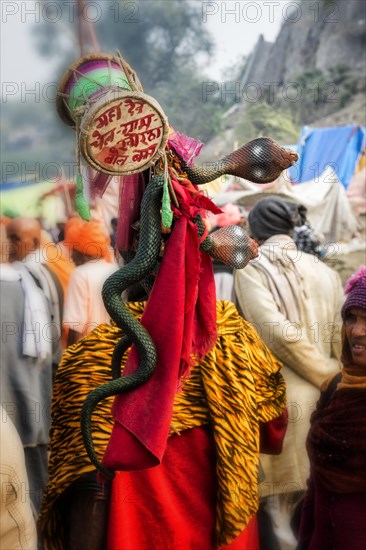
(47, 301)
(267, 442)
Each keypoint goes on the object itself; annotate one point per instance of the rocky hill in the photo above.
(314, 73)
(317, 35)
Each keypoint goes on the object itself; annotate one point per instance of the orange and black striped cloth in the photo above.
(236, 387)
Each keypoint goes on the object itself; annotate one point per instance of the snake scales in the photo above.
(261, 161)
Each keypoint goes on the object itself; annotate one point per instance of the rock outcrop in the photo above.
(317, 35)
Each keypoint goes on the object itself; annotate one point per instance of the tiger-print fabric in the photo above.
(236, 386)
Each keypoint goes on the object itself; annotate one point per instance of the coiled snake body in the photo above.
(261, 161)
(142, 264)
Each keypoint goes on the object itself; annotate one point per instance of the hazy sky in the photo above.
(235, 25)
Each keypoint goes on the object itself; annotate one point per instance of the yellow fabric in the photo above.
(361, 161)
(236, 386)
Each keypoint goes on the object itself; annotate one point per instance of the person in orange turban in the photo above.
(91, 252)
(87, 240)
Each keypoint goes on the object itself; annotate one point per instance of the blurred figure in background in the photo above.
(113, 235)
(26, 255)
(305, 238)
(26, 367)
(92, 255)
(334, 509)
(58, 260)
(17, 525)
(294, 301)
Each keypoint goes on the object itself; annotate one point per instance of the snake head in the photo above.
(231, 245)
(261, 160)
(281, 157)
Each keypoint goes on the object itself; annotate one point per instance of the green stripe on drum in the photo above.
(94, 81)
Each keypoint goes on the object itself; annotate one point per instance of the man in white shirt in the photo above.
(91, 252)
(294, 301)
(26, 350)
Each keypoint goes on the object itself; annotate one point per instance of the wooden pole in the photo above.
(80, 27)
(85, 26)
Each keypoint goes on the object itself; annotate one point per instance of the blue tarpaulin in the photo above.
(338, 147)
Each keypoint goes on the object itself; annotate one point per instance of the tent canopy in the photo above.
(337, 147)
(34, 199)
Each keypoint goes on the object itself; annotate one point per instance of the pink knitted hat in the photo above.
(355, 291)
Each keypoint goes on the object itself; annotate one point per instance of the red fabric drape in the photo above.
(272, 434)
(180, 316)
(172, 506)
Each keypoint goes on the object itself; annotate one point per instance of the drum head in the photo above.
(123, 133)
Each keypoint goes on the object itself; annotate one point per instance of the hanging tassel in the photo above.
(82, 206)
(81, 203)
(166, 210)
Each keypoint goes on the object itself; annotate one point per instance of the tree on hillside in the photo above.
(161, 41)
(262, 119)
(323, 92)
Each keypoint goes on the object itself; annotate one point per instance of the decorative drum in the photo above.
(123, 133)
(120, 130)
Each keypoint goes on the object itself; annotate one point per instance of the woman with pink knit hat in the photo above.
(334, 510)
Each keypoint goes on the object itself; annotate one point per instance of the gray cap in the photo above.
(273, 216)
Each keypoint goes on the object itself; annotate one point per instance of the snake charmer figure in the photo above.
(191, 385)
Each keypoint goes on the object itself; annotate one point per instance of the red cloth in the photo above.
(272, 434)
(172, 506)
(99, 183)
(332, 520)
(130, 195)
(131, 189)
(180, 316)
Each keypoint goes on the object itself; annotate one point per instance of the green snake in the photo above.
(261, 161)
(140, 266)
